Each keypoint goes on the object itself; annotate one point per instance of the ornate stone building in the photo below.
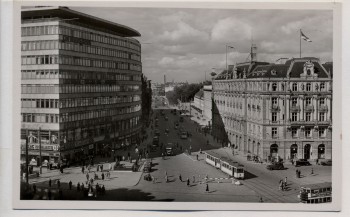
(271, 110)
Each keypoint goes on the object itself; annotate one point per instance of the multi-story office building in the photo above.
(81, 79)
(271, 110)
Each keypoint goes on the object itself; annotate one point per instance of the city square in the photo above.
(258, 128)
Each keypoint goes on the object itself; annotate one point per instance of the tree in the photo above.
(184, 93)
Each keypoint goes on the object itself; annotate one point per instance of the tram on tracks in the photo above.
(316, 193)
(226, 165)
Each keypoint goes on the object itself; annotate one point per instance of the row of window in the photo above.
(39, 103)
(88, 35)
(307, 132)
(70, 88)
(78, 61)
(67, 117)
(81, 48)
(40, 118)
(72, 103)
(259, 86)
(78, 75)
(99, 130)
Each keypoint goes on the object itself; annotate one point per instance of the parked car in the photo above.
(302, 162)
(326, 163)
(169, 150)
(275, 166)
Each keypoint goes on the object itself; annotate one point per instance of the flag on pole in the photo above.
(304, 37)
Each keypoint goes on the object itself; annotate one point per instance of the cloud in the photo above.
(184, 33)
(230, 29)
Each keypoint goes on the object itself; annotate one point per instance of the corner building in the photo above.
(271, 110)
(81, 82)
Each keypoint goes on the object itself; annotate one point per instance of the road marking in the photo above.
(189, 157)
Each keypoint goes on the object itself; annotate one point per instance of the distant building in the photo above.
(198, 102)
(276, 110)
(80, 81)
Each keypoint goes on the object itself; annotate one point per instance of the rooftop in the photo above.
(64, 13)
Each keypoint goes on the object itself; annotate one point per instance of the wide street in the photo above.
(131, 186)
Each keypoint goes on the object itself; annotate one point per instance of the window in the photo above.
(294, 101)
(274, 87)
(274, 116)
(322, 86)
(295, 87)
(308, 101)
(308, 116)
(321, 132)
(322, 101)
(274, 100)
(274, 132)
(307, 132)
(294, 116)
(322, 116)
(308, 87)
(294, 132)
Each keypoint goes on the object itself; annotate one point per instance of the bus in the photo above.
(316, 193)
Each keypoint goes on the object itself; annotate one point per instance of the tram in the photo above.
(226, 165)
(316, 193)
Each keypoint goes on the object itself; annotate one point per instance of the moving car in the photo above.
(169, 150)
(183, 135)
(302, 162)
(275, 166)
(176, 126)
(156, 140)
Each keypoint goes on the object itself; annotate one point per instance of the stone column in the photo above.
(328, 103)
(314, 102)
(301, 108)
(287, 104)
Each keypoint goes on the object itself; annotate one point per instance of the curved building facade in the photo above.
(81, 82)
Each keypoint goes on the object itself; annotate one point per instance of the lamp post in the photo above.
(39, 138)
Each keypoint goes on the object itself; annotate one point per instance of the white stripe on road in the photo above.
(189, 157)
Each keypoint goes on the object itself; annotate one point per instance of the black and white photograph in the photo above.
(230, 105)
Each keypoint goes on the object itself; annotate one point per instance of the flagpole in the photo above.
(300, 42)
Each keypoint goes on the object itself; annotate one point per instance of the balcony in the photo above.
(275, 107)
(309, 108)
(323, 108)
(295, 108)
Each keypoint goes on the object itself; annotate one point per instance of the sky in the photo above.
(186, 44)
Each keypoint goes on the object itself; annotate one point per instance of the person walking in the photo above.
(207, 188)
(87, 176)
(49, 194)
(166, 179)
(285, 181)
(78, 186)
(197, 157)
(103, 176)
(49, 182)
(188, 182)
(70, 185)
(83, 169)
(34, 188)
(180, 177)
